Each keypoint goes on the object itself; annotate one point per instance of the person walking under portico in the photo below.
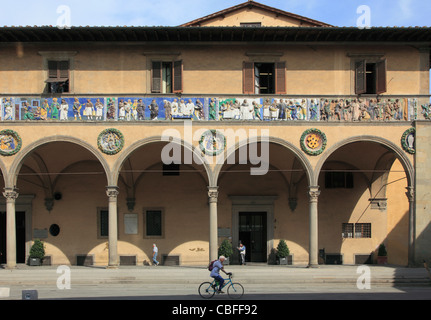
(155, 252)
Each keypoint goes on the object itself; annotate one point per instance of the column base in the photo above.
(10, 267)
(313, 266)
(112, 267)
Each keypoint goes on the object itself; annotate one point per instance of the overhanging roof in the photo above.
(316, 35)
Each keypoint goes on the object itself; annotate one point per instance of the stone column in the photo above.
(10, 194)
(314, 239)
(411, 249)
(212, 199)
(112, 193)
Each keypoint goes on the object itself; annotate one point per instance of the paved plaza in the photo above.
(261, 282)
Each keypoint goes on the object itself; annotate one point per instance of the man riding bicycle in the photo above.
(215, 272)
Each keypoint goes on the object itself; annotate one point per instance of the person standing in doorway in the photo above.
(155, 251)
(241, 249)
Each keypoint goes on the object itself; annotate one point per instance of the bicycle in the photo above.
(234, 289)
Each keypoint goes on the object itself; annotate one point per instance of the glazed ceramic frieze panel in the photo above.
(138, 109)
(365, 109)
(262, 109)
(61, 109)
(9, 109)
(237, 108)
(135, 108)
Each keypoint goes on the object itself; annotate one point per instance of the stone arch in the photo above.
(125, 154)
(289, 146)
(352, 167)
(378, 177)
(25, 152)
(404, 160)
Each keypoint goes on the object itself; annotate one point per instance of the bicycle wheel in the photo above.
(206, 291)
(235, 290)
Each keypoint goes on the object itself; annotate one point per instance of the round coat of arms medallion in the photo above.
(313, 142)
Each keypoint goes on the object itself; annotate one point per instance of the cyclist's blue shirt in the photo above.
(217, 265)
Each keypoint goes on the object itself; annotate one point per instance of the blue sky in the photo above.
(175, 12)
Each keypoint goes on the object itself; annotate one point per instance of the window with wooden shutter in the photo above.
(280, 78)
(167, 77)
(360, 77)
(178, 76)
(156, 73)
(264, 78)
(52, 69)
(248, 78)
(63, 69)
(58, 76)
(58, 71)
(381, 70)
(370, 77)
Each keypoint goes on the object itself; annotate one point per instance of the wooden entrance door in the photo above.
(252, 233)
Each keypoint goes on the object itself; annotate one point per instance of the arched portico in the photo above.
(39, 169)
(400, 154)
(140, 175)
(372, 159)
(287, 171)
(18, 161)
(194, 156)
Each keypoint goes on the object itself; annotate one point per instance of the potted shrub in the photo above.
(382, 255)
(282, 252)
(226, 250)
(37, 253)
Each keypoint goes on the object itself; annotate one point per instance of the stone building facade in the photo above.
(251, 124)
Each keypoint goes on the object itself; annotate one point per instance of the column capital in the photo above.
(410, 193)
(213, 194)
(112, 191)
(313, 192)
(10, 193)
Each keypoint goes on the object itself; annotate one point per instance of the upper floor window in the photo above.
(250, 24)
(167, 77)
(338, 179)
(370, 77)
(59, 68)
(264, 78)
(58, 76)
